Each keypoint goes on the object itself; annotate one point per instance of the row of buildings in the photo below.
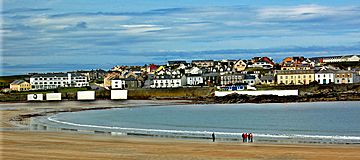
(255, 71)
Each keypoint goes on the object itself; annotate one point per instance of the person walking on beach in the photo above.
(251, 137)
(213, 136)
(248, 137)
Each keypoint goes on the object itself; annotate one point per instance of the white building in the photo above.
(168, 81)
(194, 80)
(118, 83)
(56, 80)
(325, 76)
(334, 59)
(261, 64)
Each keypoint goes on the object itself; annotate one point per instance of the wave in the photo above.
(205, 133)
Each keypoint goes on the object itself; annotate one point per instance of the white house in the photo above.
(168, 81)
(194, 80)
(193, 70)
(348, 58)
(325, 76)
(56, 80)
(118, 83)
(261, 64)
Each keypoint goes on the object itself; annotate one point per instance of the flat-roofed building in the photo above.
(56, 80)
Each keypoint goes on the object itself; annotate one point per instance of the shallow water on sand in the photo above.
(322, 121)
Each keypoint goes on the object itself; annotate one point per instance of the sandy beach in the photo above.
(66, 145)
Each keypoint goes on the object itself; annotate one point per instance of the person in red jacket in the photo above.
(245, 137)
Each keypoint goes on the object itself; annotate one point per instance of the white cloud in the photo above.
(302, 12)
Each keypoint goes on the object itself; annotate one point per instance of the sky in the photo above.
(64, 35)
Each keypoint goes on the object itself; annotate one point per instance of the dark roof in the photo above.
(56, 75)
(194, 75)
(210, 74)
(50, 75)
(17, 82)
(267, 77)
(326, 71)
(295, 72)
(130, 79)
(176, 62)
(249, 77)
(203, 61)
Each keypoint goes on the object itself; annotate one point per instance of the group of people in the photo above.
(247, 137)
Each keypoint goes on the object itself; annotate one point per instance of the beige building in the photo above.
(20, 85)
(295, 77)
(240, 65)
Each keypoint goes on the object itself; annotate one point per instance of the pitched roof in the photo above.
(17, 81)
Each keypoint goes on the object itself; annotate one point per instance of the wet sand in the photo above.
(61, 145)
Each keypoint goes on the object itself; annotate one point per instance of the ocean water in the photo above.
(337, 122)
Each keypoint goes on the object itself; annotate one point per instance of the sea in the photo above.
(313, 122)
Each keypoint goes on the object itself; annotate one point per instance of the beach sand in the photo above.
(70, 145)
(51, 145)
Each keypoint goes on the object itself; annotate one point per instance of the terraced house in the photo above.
(295, 77)
(344, 77)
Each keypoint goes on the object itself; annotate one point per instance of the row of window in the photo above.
(166, 84)
(343, 75)
(59, 78)
(49, 83)
(291, 77)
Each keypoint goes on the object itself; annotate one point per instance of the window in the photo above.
(309, 76)
(319, 75)
(36, 79)
(116, 85)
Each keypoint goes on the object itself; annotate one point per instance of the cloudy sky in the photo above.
(62, 35)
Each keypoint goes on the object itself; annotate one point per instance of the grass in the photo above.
(6, 80)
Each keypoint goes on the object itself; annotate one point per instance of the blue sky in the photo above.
(61, 35)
